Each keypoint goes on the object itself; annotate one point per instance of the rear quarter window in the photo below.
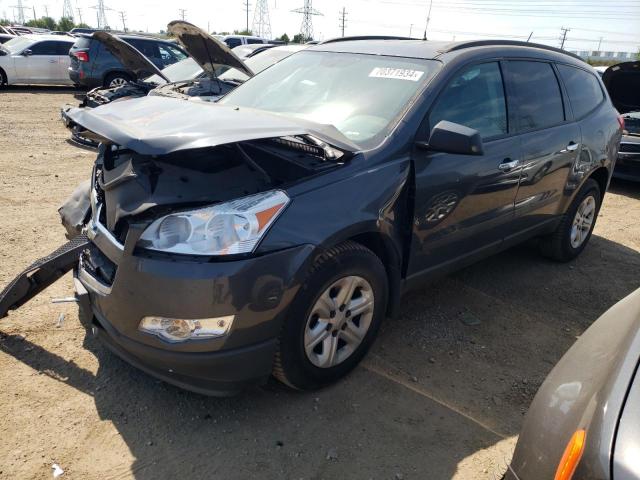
(583, 89)
(538, 100)
(82, 42)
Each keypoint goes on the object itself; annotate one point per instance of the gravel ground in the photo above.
(442, 394)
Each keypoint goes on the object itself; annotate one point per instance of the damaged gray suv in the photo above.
(271, 233)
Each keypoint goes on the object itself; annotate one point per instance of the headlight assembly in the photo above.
(227, 228)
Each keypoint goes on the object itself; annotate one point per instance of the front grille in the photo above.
(98, 265)
(629, 147)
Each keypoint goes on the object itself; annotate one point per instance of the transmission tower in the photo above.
(101, 15)
(20, 9)
(261, 23)
(67, 10)
(342, 21)
(307, 11)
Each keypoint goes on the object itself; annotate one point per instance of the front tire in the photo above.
(574, 231)
(334, 318)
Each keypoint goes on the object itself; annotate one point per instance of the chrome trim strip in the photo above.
(91, 283)
(100, 236)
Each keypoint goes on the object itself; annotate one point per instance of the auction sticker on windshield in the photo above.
(396, 73)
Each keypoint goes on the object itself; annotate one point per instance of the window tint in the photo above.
(233, 42)
(45, 48)
(63, 48)
(538, 98)
(254, 40)
(583, 89)
(475, 99)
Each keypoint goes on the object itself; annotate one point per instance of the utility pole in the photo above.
(343, 20)
(563, 36)
(182, 12)
(600, 43)
(410, 29)
(307, 11)
(424, 37)
(79, 14)
(246, 9)
(46, 10)
(261, 22)
(530, 35)
(123, 17)
(34, 12)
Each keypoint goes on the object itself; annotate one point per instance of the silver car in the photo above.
(584, 422)
(36, 59)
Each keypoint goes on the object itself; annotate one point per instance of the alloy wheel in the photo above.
(339, 321)
(117, 82)
(583, 221)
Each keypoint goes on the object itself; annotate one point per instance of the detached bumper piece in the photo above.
(40, 274)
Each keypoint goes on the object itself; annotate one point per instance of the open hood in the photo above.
(211, 54)
(131, 58)
(623, 84)
(158, 126)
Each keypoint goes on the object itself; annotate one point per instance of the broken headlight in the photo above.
(224, 229)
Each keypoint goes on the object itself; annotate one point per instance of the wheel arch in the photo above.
(601, 175)
(4, 78)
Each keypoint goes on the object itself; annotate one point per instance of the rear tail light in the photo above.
(571, 456)
(621, 122)
(82, 56)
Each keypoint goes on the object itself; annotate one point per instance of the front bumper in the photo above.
(257, 291)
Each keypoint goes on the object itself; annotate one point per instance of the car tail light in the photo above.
(571, 456)
(621, 122)
(82, 56)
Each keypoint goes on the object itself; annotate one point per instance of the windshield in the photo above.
(257, 63)
(17, 45)
(186, 69)
(361, 95)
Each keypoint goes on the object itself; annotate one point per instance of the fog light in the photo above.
(181, 329)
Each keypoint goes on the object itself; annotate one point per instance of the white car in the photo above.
(36, 59)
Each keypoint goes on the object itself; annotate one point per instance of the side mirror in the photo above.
(449, 137)
(27, 53)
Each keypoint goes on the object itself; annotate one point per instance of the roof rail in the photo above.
(511, 43)
(366, 37)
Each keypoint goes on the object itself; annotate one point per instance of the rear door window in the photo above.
(254, 40)
(233, 42)
(538, 99)
(583, 89)
(45, 48)
(474, 98)
(62, 48)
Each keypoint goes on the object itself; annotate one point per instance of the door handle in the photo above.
(508, 164)
(573, 146)
(53, 61)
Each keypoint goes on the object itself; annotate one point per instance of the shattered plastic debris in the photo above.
(60, 320)
(57, 471)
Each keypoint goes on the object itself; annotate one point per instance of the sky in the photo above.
(617, 22)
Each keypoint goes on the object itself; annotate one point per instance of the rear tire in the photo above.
(574, 231)
(348, 276)
(116, 79)
(3, 78)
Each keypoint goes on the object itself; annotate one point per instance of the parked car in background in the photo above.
(5, 37)
(35, 59)
(583, 422)
(623, 83)
(93, 65)
(233, 41)
(245, 51)
(233, 240)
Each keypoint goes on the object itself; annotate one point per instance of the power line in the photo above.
(342, 21)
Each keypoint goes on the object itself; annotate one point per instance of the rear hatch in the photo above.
(79, 52)
(623, 84)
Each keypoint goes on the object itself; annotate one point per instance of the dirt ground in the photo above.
(442, 394)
